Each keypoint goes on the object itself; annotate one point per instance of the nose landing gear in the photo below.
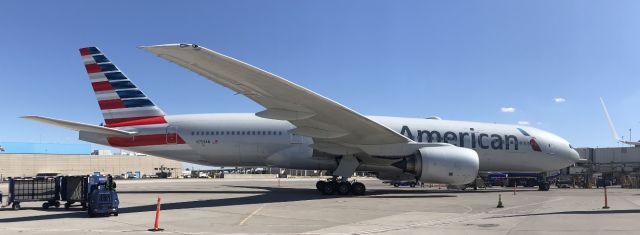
(342, 187)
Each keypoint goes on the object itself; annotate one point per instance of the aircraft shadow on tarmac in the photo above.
(187, 191)
(262, 195)
(593, 212)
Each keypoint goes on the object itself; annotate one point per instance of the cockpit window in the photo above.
(570, 146)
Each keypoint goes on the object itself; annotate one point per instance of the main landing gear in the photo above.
(343, 187)
(340, 184)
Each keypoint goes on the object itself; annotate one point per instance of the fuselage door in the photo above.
(295, 139)
(172, 135)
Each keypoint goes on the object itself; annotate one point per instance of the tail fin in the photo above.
(121, 102)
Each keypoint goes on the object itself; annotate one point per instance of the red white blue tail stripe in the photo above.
(121, 102)
(124, 105)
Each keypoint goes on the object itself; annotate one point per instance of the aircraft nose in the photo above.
(573, 156)
(570, 157)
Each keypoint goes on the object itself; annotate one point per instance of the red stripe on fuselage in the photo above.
(135, 121)
(92, 68)
(101, 86)
(84, 51)
(146, 140)
(111, 104)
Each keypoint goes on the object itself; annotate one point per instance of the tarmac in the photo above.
(293, 206)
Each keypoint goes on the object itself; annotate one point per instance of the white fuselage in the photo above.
(247, 140)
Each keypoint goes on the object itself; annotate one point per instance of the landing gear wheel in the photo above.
(45, 205)
(15, 206)
(344, 188)
(358, 188)
(396, 185)
(67, 206)
(56, 204)
(320, 185)
(413, 185)
(330, 188)
(544, 186)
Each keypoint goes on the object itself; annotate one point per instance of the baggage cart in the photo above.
(34, 189)
(74, 189)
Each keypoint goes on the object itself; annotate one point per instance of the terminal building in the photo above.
(29, 159)
(615, 165)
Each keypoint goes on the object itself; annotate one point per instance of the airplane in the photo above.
(613, 129)
(300, 129)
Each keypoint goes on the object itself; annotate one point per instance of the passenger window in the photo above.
(193, 133)
(264, 133)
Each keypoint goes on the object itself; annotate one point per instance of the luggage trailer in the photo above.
(34, 189)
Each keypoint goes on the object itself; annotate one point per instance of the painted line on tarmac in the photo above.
(251, 215)
(448, 220)
(14, 229)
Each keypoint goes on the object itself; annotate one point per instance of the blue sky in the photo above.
(461, 60)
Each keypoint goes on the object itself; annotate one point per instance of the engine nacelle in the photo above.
(445, 165)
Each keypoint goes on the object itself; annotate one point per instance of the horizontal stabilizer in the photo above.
(80, 126)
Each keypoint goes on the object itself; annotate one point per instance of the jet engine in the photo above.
(443, 164)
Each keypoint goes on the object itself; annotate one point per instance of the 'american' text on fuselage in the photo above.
(477, 139)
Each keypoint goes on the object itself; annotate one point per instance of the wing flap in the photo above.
(80, 126)
(283, 114)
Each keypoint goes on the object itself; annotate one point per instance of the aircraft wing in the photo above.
(613, 128)
(313, 115)
(80, 126)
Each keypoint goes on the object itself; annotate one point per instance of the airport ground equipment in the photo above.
(101, 200)
(34, 189)
(398, 183)
(631, 181)
(74, 189)
(522, 179)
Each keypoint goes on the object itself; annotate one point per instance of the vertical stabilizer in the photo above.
(121, 102)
